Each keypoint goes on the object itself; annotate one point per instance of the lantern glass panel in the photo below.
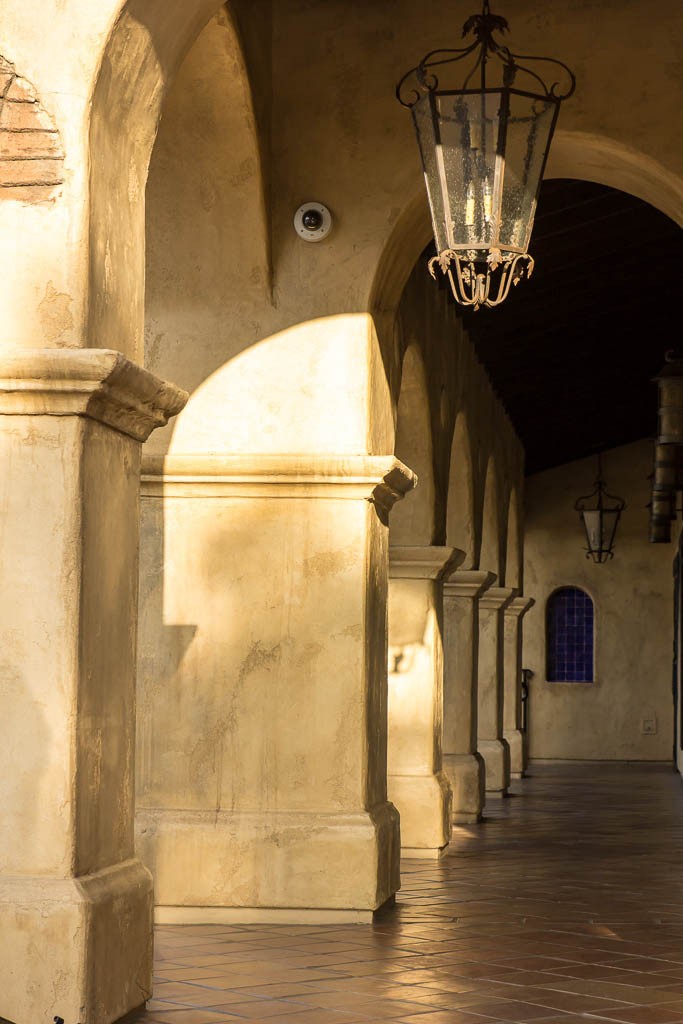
(592, 521)
(425, 126)
(483, 155)
(610, 519)
(458, 135)
(530, 124)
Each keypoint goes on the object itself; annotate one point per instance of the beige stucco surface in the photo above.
(417, 784)
(71, 889)
(633, 597)
(263, 671)
(262, 684)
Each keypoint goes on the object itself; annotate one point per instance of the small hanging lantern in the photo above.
(484, 148)
(600, 513)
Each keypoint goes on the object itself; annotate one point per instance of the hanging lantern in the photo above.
(484, 148)
(670, 380)
(600, 513)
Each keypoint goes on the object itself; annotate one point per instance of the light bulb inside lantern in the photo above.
(488, 201)
(469, 206)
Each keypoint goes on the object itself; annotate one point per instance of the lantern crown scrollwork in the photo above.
(484, 141)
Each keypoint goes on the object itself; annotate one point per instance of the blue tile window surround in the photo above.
(570, 632)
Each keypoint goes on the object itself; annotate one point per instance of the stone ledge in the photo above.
(470, 583)
(424, 562)
(380, 479)
(519, 606)
(497, 598)
(100, 384)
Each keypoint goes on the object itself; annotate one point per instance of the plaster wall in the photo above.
(70, 431)
(102, 72)
(262, 684)
(633, 599)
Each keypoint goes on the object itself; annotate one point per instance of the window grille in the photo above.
(570, 636)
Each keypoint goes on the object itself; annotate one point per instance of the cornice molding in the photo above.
(470, 583)
(425, 562)
(100, 384)
(519, 606)
(382, 480)
(497, 598)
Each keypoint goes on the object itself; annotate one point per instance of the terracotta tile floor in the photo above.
(565, 904)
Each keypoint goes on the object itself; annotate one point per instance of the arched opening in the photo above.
(460, 532)
(490, 552)
(580, 155)
(514, 561)
(413, 520)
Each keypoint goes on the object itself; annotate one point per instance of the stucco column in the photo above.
(491, 742)
(512, 674)
(417, 784)
(75, 903)
(463, 764)
(262, 727)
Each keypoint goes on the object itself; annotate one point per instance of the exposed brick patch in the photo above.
(31, 155)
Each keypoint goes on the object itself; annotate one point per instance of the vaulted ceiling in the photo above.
(572, 352)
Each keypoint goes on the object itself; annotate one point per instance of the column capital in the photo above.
(497, 598)
(519, 606)
(471, 583)
(381, 479)
(425, 562)
(97, 383)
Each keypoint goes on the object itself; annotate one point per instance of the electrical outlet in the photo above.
(648, 726)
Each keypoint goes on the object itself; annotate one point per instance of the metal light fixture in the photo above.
(667, 478)
(484, 148)
(600, 513)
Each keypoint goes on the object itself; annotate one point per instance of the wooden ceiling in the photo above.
(572, 352)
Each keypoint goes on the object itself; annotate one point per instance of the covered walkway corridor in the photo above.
(565, 904)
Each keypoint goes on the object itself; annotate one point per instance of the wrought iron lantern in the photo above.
(600, 513)
(484, 148)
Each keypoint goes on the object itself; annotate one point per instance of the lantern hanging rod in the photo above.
(601, 493)
(421, 79)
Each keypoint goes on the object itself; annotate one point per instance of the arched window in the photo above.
(570, 636)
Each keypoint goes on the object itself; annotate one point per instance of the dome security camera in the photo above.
(313, 222)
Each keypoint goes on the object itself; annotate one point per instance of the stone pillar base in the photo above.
(294, 867)
(496, 754)
(425, 802)
(516, 741)
(467, 776)
(88, 940)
